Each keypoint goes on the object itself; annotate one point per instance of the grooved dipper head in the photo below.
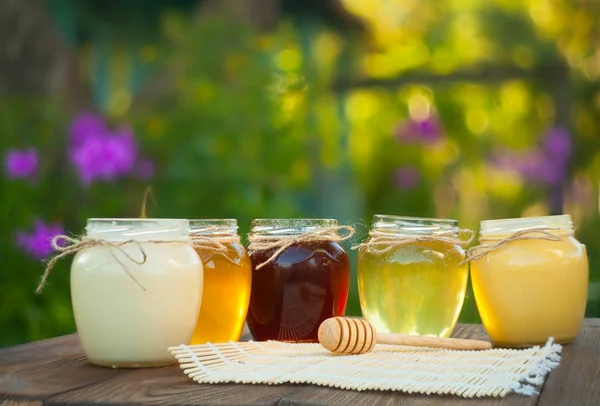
(347, 336)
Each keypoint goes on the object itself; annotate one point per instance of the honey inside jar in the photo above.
(417, 288)
(227, 282)
(530, 290)
(300, 288)
(128, 312)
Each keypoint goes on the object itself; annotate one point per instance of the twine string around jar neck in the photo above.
(66, 246)
(209, 240)
(381, 242)
(540, 233)
(283, 242)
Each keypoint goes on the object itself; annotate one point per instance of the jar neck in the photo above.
(560, 225)
(277, 228)
(214, 228)
(412, 226)
(137, 229)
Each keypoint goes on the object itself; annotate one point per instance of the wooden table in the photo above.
(55, 372)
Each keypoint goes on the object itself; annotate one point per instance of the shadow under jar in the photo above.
(414, 287)
(302, 286)
(129, 310)
(530, 290)
(227, 279)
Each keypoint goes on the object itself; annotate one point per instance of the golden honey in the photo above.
(531, 290)
(415, 289)
(227, 284)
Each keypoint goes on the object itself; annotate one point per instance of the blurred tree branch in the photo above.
(34, 58)
(262, 14)
(483, 74)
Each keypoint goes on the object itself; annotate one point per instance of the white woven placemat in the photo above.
(494, 372)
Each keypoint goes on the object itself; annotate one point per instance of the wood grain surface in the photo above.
(55, 372)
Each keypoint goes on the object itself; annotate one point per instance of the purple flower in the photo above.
(557, 144)
(425, 131)
(407, 177)
(85, 126)
(145, 169)
(106, 157)
(22, 164)
(38, 243)
(99, 153)
(534, 165)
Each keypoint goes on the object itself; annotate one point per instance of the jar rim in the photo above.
(289, 226)
(137, 228)
(412, 219)
(412, 225)
(218, 222)
(134, 219)
(559, 222)
(213, 226)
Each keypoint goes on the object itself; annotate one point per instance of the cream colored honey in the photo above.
(127, 322)
(529, 291)
(226, 294)
(415, 289)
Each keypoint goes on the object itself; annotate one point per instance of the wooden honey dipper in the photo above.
(356, 336)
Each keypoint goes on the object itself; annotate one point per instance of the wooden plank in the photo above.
(576, 381)
(21, 403)
(332, 396)
(57, 372)
(168, 385)
(310, 395)
(44, 368)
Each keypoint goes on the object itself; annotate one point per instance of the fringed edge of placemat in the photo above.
(540, 369)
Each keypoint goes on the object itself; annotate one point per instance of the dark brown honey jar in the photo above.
(300, 277)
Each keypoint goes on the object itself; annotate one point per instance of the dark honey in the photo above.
(306, 284)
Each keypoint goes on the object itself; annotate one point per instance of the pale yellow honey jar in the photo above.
(530, 279)
(412, 278)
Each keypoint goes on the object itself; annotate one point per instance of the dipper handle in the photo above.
(356, 336)
(433, 342)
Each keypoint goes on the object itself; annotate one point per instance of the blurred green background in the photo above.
(287, 108)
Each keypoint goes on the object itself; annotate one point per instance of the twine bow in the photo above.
(482, 250)
(66, 246)
(284, 242)
(382, 242)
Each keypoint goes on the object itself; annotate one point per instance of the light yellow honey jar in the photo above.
(411, 275)
(530, 279)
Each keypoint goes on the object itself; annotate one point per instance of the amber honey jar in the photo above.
(530, 279)
(227, 280)
(300, 277)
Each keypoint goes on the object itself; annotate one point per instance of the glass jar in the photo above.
(227, 280)
(412, 287)
(302, 286)
(127, 310)
(529, 290)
